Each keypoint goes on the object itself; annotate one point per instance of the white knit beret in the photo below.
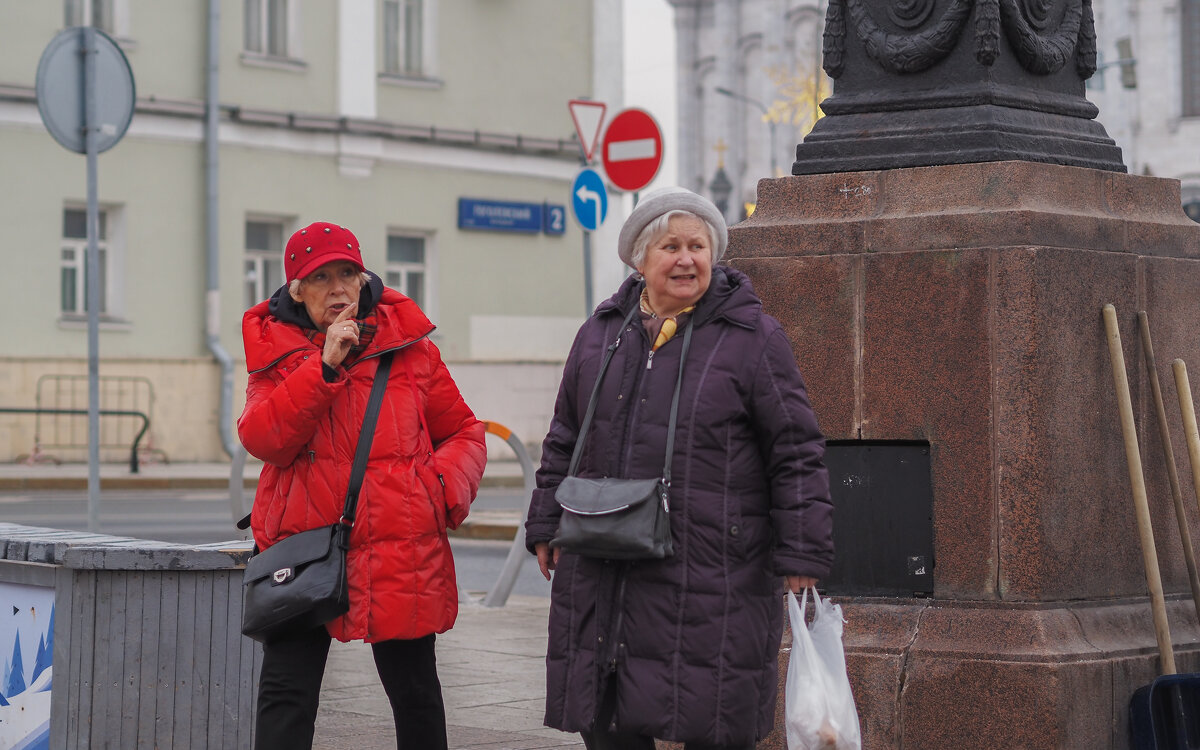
(664, 200)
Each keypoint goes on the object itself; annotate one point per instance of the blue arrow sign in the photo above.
(589, 200)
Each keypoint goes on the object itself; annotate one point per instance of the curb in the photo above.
(18, 484)
(120, 483)
(489, 526)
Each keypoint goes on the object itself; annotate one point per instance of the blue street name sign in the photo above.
(500, 216)
(589, 199)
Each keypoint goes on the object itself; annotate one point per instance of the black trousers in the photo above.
(604, 739)
(290, 689)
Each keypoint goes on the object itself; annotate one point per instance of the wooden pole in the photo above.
(1184, 390)
(1137, 481)
(1164, 433)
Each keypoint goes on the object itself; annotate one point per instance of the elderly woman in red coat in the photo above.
(683, 648)
(312, 351)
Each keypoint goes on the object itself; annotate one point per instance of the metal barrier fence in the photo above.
(133, 449)
(497, 596)
(61, 426)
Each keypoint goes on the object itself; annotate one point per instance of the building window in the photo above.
(98, 13)
(266, 27)
(73, 299)
(264, 259)
(110, 16)
(1190, 47)
(406, 269)
(403, 37)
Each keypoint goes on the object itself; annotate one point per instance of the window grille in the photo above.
(403, 52)
(73, 270)
(266, 27)
(264, 260)
(406, 270)
(98, 13)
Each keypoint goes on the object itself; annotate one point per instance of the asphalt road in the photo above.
(204, 516)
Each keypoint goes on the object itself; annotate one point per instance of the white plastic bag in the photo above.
(820, 711)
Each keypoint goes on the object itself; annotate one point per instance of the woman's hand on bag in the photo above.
(340, 336)
(547, 558)
(796, 584)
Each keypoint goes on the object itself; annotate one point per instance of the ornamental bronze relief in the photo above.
(929, 82)
(1042, 38)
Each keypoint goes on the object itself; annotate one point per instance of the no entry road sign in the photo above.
(632, 152)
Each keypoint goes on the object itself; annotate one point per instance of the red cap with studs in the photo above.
(317, 244)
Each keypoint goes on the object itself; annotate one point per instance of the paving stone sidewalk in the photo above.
(492, 667)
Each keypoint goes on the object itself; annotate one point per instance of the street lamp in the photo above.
(1127, 62)
(766, 116)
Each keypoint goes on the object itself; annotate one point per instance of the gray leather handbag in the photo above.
(618, 519)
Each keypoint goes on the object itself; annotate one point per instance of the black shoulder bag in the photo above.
(299, 582)
(618, 519)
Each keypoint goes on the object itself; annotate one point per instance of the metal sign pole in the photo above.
(90, 125)
(587, 271)
(88, 58)
(587, 241)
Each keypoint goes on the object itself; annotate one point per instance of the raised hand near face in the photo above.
(340, 336)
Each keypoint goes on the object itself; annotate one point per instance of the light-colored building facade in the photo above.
(749, 82)
(380, 115)
(1151, 106)
(769, 51)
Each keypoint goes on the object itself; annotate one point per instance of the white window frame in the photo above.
(112, 264)
(428, 303)
(261, 256)
(426, 34)
(291, 54)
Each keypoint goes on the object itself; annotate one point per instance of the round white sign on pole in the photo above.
(60, 96)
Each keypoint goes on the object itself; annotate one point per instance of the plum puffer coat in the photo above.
(691, 641)
(400, 569)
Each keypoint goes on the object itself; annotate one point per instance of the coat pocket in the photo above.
(435, 489)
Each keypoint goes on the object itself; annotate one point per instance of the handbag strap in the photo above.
(577, 454)
(591, 407)
(365, 438)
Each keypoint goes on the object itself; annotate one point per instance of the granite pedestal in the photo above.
(961, 305)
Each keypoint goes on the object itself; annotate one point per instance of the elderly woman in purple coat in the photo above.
(683, 648)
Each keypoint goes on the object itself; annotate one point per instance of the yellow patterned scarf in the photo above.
(669, 325)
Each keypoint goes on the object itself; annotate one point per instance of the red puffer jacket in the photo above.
(400, 568)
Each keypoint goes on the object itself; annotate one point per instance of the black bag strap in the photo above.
(365, 438)
(364, 443)
(577, 454)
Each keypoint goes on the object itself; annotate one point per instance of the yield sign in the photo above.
(632, 151)
(587, 116)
